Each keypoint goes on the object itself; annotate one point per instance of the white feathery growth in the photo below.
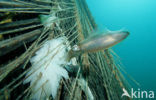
(48, 64)
(49, 20)
(47, 68)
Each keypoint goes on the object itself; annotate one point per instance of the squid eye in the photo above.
(76, 48)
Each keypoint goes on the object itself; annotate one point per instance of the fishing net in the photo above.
(25, 25)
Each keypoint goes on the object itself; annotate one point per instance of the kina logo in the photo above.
(138, 94)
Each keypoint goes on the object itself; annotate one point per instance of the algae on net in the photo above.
(25, 25)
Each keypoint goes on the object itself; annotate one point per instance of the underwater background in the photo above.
(138, 51)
